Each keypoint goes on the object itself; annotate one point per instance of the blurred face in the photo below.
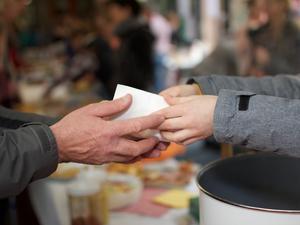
(277, 8)
(259, 7)
(14, 8)
(118, 14)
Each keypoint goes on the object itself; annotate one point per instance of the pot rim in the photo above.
(202, 189)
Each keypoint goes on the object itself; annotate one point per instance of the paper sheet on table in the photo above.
(143, 104)
(175, 199)
(145, 206)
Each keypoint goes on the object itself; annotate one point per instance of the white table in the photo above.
(50, 202)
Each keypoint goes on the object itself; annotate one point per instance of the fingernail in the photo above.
(126, 97)
(156, 154)
(162, 147)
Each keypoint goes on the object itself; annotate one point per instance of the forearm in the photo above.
(280, 86)
(26, 154)
(267, 123)
(10, 119)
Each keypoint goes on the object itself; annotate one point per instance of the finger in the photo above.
(173, 124)
(134, 149)
(171, 92)
(180, 100)
(134, 160)
(123, 159)
(152, 154)
(171, 112)
(137, 125)
(110, 108)
(179, 136)
(191, 141)
(163, 146)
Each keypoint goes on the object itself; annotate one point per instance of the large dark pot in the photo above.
(261, 189)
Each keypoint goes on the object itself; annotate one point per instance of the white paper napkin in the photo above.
(143, 104)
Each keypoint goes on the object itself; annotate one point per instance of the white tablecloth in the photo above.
(49, 199)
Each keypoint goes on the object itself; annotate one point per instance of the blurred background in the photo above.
(58, 55)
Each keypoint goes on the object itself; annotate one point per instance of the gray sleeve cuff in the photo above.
(206, 85)
(48, 155)
(263, 123)
(225, 118)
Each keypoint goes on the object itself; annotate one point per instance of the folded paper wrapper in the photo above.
(143, 104)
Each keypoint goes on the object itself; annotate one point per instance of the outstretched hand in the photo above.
(88, 136)
(188, 119)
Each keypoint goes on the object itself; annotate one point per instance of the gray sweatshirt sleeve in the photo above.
(26, 154)
(259, 122)
(280, 86)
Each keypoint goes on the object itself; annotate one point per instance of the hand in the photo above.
(181, 91)
(188, 119)
(88, 136)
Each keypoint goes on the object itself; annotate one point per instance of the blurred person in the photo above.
(162, 31)
(133, 55)
(9, 11)
(100, 46)
(178, 28)
(8, 90)
(267, 45)
(80, 61)
(276, 41)
(121, 11)
(132, 44)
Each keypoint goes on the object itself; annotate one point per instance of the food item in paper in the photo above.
(67, 171)
(132, 169)
(123, 190)
(177, 175)
(119, 187)
(170, 178)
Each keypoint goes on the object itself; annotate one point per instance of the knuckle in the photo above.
(136, 127)
(135, 152)
(169, 125)
(177, 139)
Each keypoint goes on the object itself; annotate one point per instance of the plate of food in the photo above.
(123, 190)
(169, 174)
(67, 171)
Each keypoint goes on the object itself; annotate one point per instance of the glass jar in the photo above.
(81, 201)
(100, 206)
(88, 199)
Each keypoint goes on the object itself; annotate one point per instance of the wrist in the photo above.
(56, 130)
(214, 100)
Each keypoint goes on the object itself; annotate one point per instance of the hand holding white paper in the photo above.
(143, 104)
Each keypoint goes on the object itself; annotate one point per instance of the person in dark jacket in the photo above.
(31, 146)
(134, 64)
(133, 45)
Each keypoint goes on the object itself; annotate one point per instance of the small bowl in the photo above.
(118, 200)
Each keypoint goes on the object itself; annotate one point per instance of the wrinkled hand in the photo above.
(188, 119)
(88, 136)
(180, 91)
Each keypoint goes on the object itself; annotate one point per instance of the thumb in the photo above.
(111, 108)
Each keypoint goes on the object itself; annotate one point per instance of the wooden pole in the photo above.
(226, 151)
(72, 6)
